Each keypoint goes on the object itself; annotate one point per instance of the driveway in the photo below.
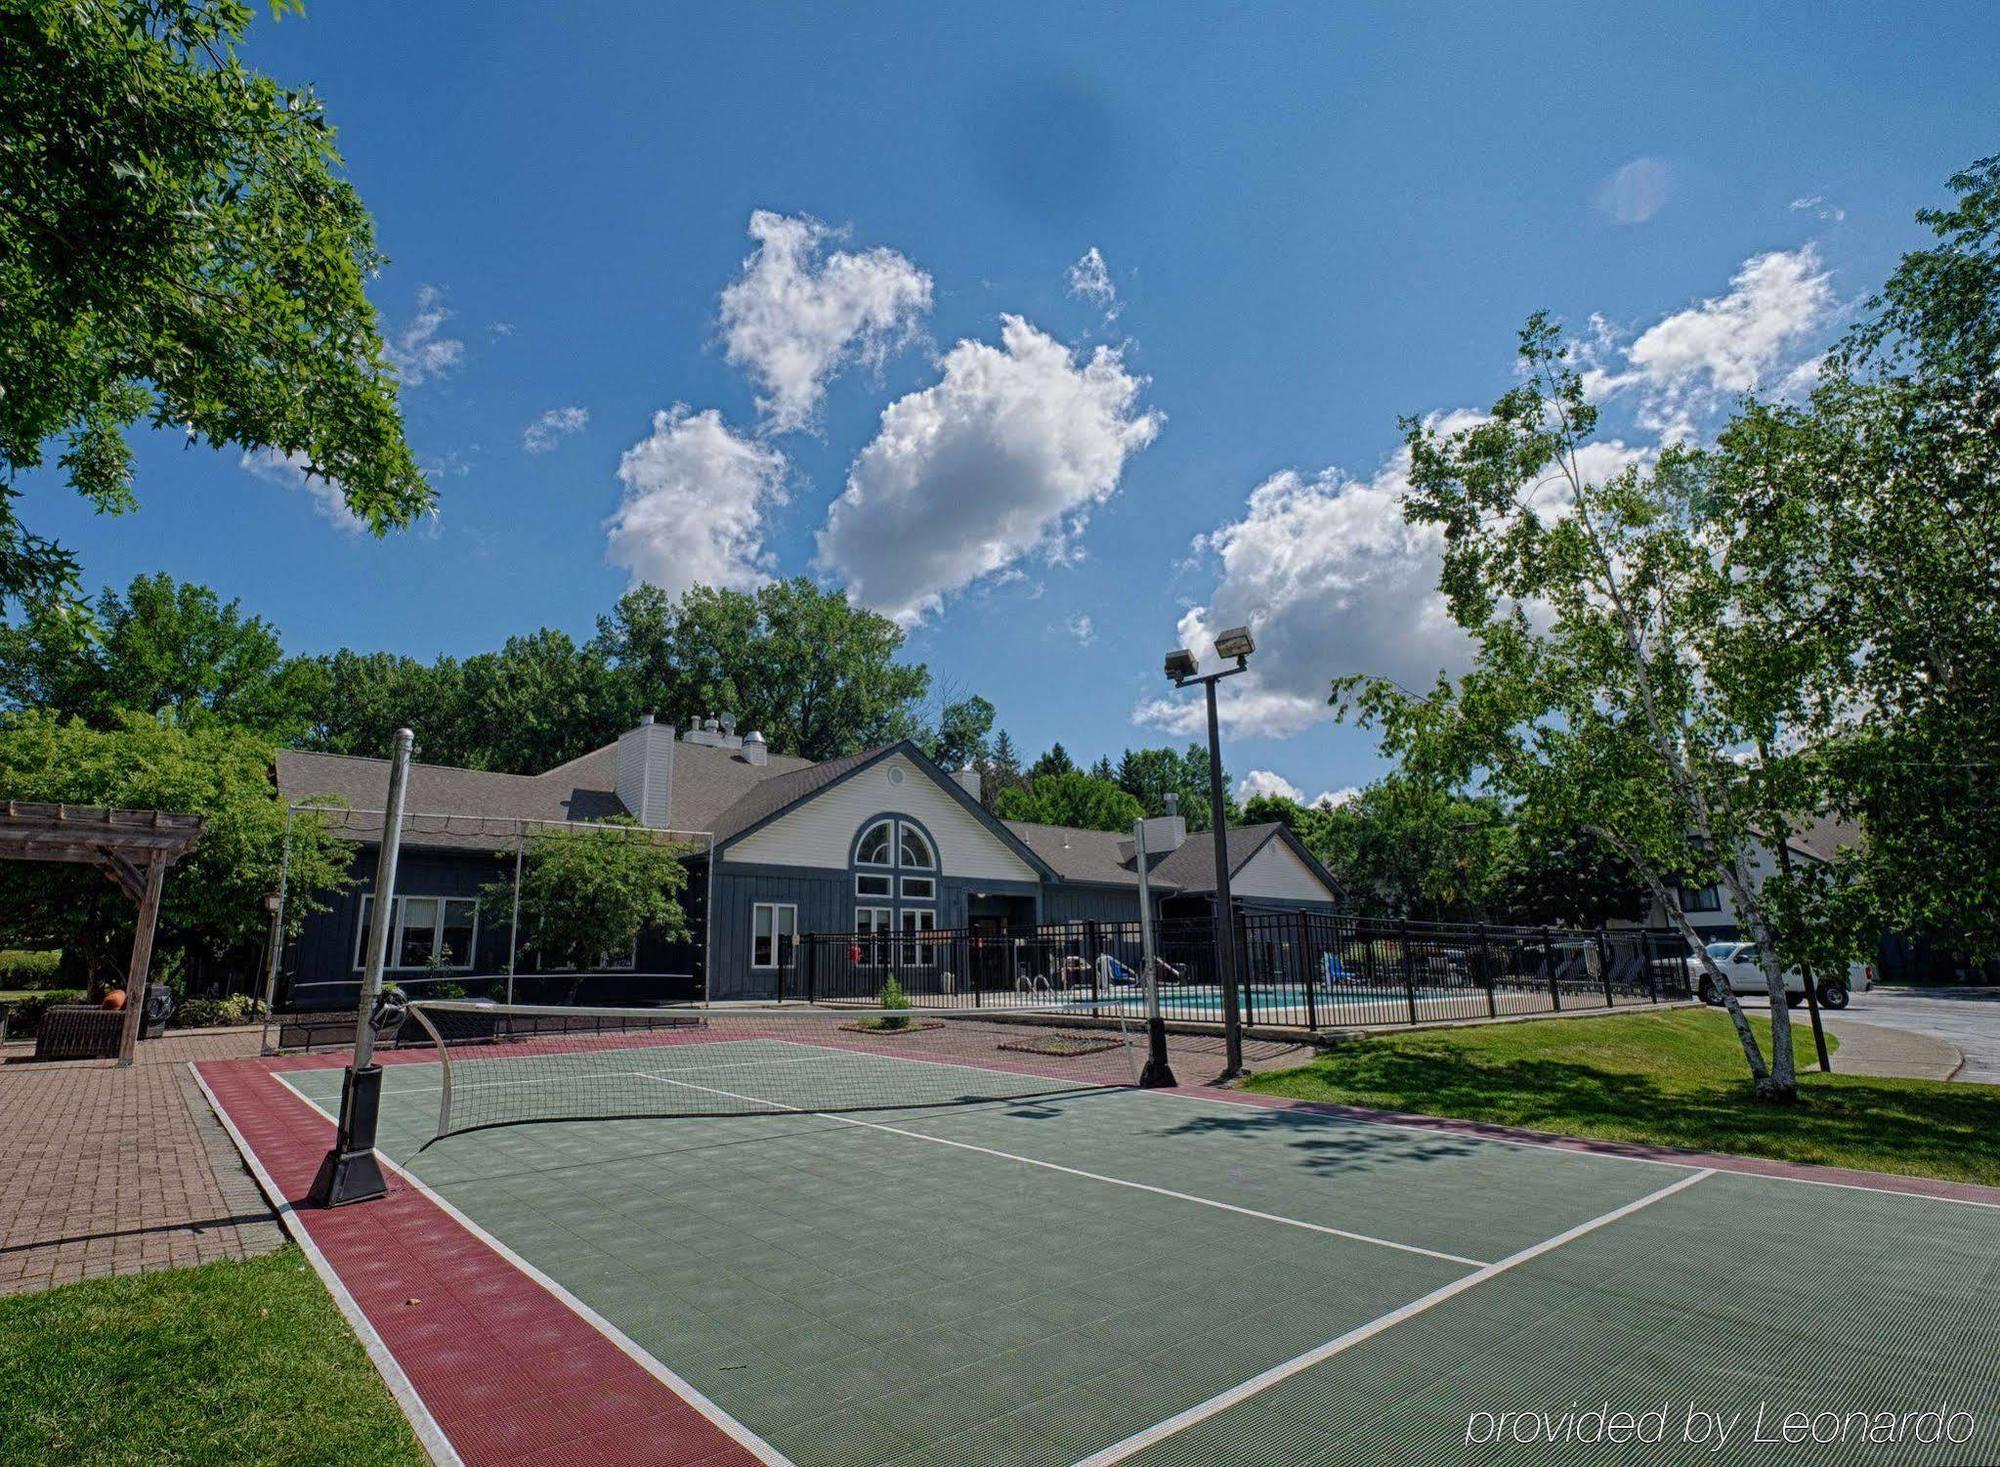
(1966, 1017)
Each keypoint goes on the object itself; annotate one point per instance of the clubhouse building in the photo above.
(880, 842)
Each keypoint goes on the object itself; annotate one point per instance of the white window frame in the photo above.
(396, 910)
(774, 908)
(918, 953)
(873, 940)
(919, 888)
(907, 830)
(888, 885)
(894, 844)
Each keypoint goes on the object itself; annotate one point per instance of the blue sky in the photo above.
(1312, 219)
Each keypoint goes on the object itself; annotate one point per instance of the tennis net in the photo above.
(510, 1064)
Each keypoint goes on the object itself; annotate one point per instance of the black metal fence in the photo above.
(1300, 970)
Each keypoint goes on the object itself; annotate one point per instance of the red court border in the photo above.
(509, 1373)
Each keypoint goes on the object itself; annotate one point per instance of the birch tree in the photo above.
(1615, 690)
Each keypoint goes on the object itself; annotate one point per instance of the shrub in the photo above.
(210, 1013)
(25, 1013)
(893, 997)
(23, 969)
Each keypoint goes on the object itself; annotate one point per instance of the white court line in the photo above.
(1290, 1222)
(742, 1435)
(1139, 1441)
(429, 1434)
(756, 1066)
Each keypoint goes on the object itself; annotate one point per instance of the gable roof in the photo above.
(1100, 856)
(772, 799)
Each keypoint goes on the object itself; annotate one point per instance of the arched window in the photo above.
(874, 848)
(916, 850)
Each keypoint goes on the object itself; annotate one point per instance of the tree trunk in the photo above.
(1782, 1088)
(1745, 1035)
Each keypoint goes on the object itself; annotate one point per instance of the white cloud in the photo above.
(1263, 782)
(1817, 206)
(417, 352)
(552, 427)
(696, 494)
(1635, 193)
(1691, 363)
(1268, 782)
(798, 316)
(1082, 628)
(1331, 580)
(1090, 279)
(1002, 458)
(329, 502)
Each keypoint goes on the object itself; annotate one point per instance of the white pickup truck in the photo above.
(1737, 962)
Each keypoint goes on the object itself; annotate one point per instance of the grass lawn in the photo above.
(225, 1363)
(1674, 1078)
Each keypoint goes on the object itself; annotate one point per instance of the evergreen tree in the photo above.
(1056, 761)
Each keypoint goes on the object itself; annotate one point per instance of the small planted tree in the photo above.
(588, 891)
(893, 999)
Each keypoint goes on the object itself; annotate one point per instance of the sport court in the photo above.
(1094, 1273)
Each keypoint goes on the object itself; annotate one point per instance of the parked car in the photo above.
(1737, 962)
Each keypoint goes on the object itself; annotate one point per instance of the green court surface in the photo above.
(1121, 1275)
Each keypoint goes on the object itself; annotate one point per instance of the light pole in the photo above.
(1234, 644)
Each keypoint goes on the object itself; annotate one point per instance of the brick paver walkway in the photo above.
(108, 1171)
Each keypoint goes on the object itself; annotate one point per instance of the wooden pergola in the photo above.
(133, 848)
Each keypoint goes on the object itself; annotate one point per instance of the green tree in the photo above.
(540, 701)
(1070, 798)
(353, 703)
(1412, 847)
(1001, 771)
(212, 903)
(1150, 775)
(1866, 545)
(177, 245)
(588, 891)
(168, 649)
(817, 675)
(1055, 761)
(959, 738)
(1622, 704)
(1562, 879)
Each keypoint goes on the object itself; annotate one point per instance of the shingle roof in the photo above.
(1192, 867)
(769, 796)
(1085, 855)
(469, 808)
(1823, 837)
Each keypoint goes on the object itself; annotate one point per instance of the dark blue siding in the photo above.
(1076, 903)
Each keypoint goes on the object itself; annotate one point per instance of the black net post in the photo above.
(1604, 965)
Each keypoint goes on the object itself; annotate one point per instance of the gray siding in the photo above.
(1078, 903)
(824, 899)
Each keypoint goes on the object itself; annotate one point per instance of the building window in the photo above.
(422, 928)
(872, 926)
(774, 927)
(920, 888)
(918, 950)
(866, 885)
(916, 850)
(1701, 898)
(874, 848)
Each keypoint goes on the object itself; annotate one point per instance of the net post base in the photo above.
(350, 1171)
(1158, 1074)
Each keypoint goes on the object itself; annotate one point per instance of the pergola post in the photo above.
(142, 959)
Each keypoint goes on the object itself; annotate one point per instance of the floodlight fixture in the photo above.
(1235, 643)
(1181, 664)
